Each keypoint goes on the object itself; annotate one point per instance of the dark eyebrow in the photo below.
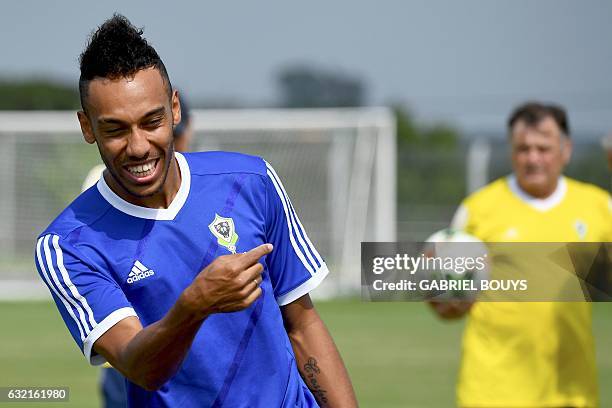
(109, 121)
(112, 121)
(154, 112)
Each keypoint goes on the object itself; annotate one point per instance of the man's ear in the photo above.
(86, 129)
(567, 149)
(176, 108)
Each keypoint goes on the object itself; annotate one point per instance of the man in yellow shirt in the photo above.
(528, 354)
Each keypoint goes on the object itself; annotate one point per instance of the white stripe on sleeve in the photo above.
(308, 248)
(310, 245)
(68, 282)
(60, 287)
(296, 248)
(41, 263)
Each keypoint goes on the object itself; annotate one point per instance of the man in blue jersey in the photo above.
(189, 273)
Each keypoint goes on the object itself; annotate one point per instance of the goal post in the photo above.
(337, 165)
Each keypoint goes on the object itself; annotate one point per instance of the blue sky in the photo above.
(467, 62)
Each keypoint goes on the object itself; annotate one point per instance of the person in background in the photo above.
(183, 131)
(531, 354)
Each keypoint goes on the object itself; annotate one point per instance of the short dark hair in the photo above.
(533, 113)
(117, 50)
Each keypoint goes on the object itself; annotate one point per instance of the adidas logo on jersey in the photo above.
(138, 272)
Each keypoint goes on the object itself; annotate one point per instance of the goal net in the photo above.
(337, 165)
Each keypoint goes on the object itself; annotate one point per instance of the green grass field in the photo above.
(398, 354)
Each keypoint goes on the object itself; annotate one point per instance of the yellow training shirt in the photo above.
(531, 354)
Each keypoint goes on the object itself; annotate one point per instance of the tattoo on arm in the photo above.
(311, 371)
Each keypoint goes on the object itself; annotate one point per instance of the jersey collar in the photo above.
(540, 204)
(152, 213)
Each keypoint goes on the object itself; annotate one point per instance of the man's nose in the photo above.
(138, 144)
(533, 156)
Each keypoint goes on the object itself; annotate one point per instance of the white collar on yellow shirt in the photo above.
(540, 204)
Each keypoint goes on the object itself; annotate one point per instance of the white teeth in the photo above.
(142, 170)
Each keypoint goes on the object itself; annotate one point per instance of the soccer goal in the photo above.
(337, 165)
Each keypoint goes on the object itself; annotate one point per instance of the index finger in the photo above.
(251, 257)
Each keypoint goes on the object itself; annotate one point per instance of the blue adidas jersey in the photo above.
(105, 259)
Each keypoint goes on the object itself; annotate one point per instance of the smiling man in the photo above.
(531, 354)
(141, 167)
(189, 273)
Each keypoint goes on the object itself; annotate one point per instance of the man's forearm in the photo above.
(321, 366)
(155, 353)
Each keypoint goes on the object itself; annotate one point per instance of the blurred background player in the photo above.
(112, 384)
(531, 354)
(183, 131)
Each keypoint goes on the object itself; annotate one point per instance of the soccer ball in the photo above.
(458, 264)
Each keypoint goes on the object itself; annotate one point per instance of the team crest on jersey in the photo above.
(581, 228)
(224, 229)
